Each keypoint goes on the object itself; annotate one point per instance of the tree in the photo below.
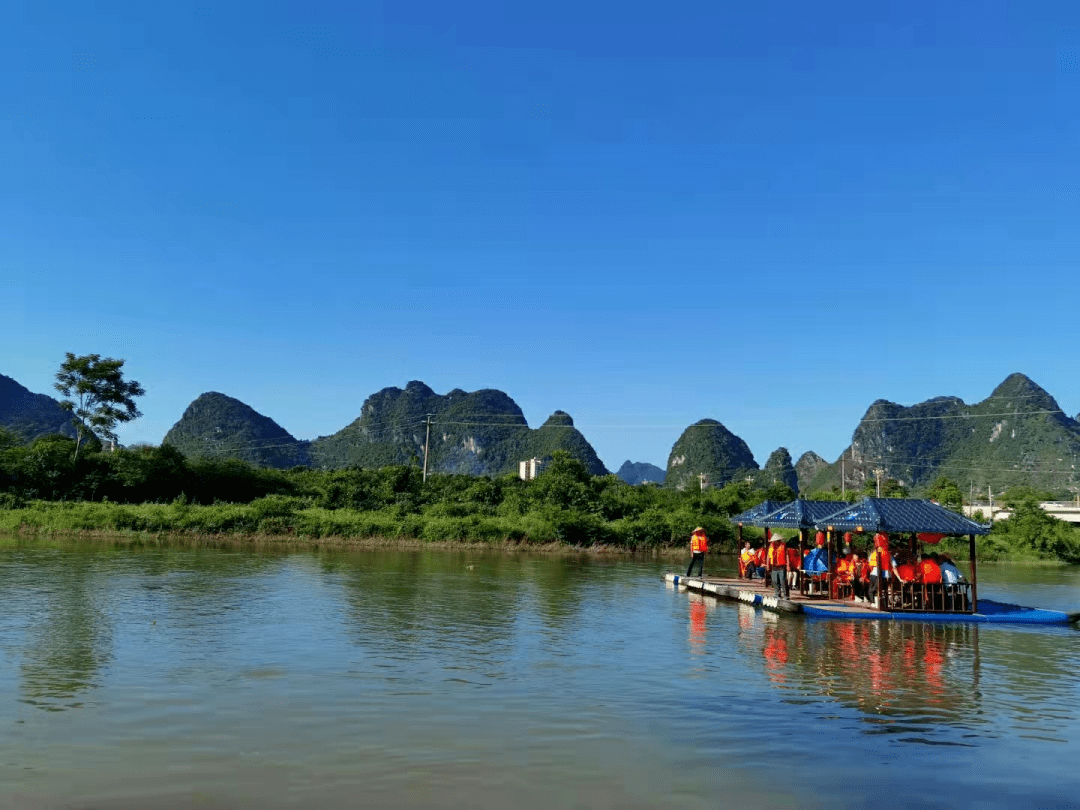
(99, 396)
(946, 492)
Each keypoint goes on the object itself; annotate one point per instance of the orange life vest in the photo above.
(699, 543)
(886, 561)
(845, 568)
(931, 571)
(747, 555)
(793, 559)
(906, 571)
(777, 555)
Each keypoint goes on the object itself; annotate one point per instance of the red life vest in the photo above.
(931, 571)
(777, 555)
(699, 543)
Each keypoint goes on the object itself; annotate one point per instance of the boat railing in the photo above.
(930, 597)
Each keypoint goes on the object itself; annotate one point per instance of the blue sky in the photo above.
(767, 213)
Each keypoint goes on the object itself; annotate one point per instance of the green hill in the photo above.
(1016, 436)
(778, 469)
(709, 448)
(29, 415)
(219, 426)
(640, 472)
(479, 433)
(807, 468)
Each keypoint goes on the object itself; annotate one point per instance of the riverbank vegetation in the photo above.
(45, 488)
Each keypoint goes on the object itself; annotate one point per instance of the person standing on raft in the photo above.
(778, 565)
(699, 544)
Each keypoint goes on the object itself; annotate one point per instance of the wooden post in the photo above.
(828, 562)
(974, 577)
(880, 578)
(802, 541)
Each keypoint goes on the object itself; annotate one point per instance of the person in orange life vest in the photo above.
(746, 561)
(905, 568)
(760, 560)
(699, 544)
(879, 556)
(845, 569)
(777, 562)
(930, 569)
(793, 564)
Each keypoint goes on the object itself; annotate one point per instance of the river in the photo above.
(181, 678)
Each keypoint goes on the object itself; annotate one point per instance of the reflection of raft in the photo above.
(742, 590)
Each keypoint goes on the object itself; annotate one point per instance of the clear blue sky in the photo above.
(644, 214)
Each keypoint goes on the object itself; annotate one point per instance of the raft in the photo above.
(741, 590)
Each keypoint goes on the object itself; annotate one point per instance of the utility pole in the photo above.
(843, 475)
(878, 473)
(704, 480)
(427, 441)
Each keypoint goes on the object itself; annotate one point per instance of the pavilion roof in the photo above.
(893, 515)
(800, 514)
(750, 516)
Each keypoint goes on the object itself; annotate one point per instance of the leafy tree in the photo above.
(779, 491)
(946, 492)
(890, 488)
(101, 395)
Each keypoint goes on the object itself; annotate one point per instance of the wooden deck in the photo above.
(758, 592)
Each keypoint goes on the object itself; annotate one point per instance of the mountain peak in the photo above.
(31, 415)
(218, 425)
(1024, 393)
(559, 418)
(709, 448)
(640, 472)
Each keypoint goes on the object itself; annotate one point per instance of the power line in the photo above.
(959, 416)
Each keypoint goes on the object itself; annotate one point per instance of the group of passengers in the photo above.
(854, 572)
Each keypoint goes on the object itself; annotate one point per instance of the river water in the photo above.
(179, 678)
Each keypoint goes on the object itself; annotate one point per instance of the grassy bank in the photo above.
(276, 522)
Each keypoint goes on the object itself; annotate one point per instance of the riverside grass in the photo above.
(263, 524)
(288, 523)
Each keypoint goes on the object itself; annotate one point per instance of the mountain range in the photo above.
(478, 433)
(31, 416)
(1017, 435)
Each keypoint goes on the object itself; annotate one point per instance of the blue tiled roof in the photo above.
(800, 514)
(754, 512)
(892, 515)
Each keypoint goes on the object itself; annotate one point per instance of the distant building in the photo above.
(528, 470)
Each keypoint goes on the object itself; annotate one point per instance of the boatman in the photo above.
(699, 544)
(777, 560)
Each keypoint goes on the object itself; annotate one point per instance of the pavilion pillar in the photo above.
(974, 576)
(802, 552)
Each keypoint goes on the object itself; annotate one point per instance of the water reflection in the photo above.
(71, 635)
(66, 603)
(699, 611)
(920, 679)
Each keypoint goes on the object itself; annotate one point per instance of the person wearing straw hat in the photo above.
(777, 557)
(699, 544)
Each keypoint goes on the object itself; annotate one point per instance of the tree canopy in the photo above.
(97, 394)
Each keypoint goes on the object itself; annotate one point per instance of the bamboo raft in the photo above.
(756, 592)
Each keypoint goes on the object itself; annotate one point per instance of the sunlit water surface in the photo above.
(173, 678)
